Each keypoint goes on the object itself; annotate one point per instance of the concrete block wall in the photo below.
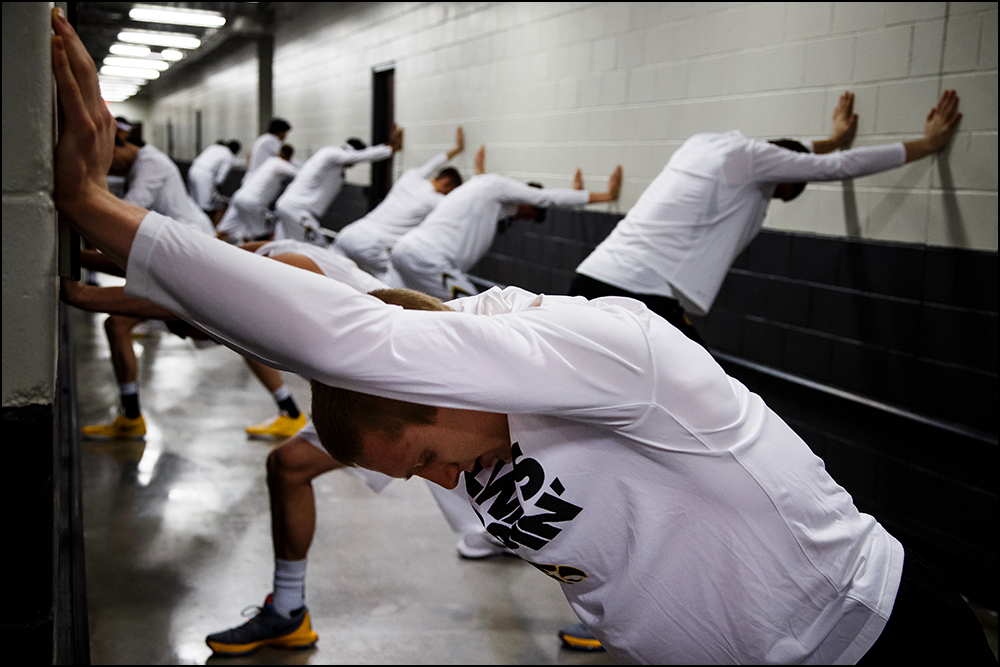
(552, 86)
(30, 290)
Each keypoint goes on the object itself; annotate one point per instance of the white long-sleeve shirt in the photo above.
(705, 207)
(367, 241)
(267, 182)
(462, 227)
(685, 521)
(215, 160)
(322, 176)
(265, 146)
(154, 182)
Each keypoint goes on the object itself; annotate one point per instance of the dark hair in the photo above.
(278, 125)
(286, 151)
(356, 144)
(452, 175)
(798, 147)
(342, 416)
(539, 212)
(234, 146)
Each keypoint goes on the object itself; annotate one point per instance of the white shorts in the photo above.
(431, 275)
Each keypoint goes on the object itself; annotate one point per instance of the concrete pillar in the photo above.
(30, 295)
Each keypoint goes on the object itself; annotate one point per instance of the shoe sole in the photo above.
(236, 650)
(108, 438)
(580, 644)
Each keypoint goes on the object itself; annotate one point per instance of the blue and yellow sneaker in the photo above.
(266, 628)
(578, 637)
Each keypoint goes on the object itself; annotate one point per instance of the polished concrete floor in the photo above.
(178, 538)
(178, 541)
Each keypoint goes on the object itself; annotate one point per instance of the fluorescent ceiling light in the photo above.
(145, 63)
(171, 54)
(177, 16)
(131, 72)
(176, 40)
(133, 50)
(120, 80)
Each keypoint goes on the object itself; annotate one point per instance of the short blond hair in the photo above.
(342, 416)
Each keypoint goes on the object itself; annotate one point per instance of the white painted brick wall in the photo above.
(30, 288)
(552, 86)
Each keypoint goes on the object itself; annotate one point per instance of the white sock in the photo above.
(281, 393)
(289, 586)
(128, 388)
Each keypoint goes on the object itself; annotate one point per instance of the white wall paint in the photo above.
(552, 86)
(30, 288)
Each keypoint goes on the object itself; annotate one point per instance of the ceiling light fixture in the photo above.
(175, 40)
(202, 19)
(130, 72)
(144, 63)
(171, 54)
(132, 50)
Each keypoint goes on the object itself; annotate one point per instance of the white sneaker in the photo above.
(481, 545)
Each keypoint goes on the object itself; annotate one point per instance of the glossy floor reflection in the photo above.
(178, 537)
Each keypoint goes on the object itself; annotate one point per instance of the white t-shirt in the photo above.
(154, 182)
(409, 201)
(322, 176)
(265, 146)
(705, 207)
(461, 228)
(684, 519)
(215, 160)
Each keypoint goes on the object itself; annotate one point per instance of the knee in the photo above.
(116, 326)
(296, 462)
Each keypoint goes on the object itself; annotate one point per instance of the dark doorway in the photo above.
(383, 116)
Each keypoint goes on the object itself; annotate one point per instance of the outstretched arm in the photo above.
(614, 186)
(938, 128)
(481, 160)
(459, 143)
(845, 126)
(111, 300)
(83, 152)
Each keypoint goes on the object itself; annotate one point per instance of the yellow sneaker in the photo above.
(282, 427)
(122, 428)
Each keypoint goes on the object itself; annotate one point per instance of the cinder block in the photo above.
(604, 54)
(961, 45)
(962, 8)
(806, 20)
(660, 45)
(858, 16)
(642, 85)
(672, 81)
(969, 163)
(798, 114)
(884, 54)
(829, 61)
(977, 95)
(27, 99)
(29, 296)
(630, 50)
(928, 40)
(988, 42)
(763, 24)
(903, 106)
(908, 12)
(614, 88)
(963, 220)
(898, 216)
(782, 67)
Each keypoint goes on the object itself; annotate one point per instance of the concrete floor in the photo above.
(178, 541)
(178, 537)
